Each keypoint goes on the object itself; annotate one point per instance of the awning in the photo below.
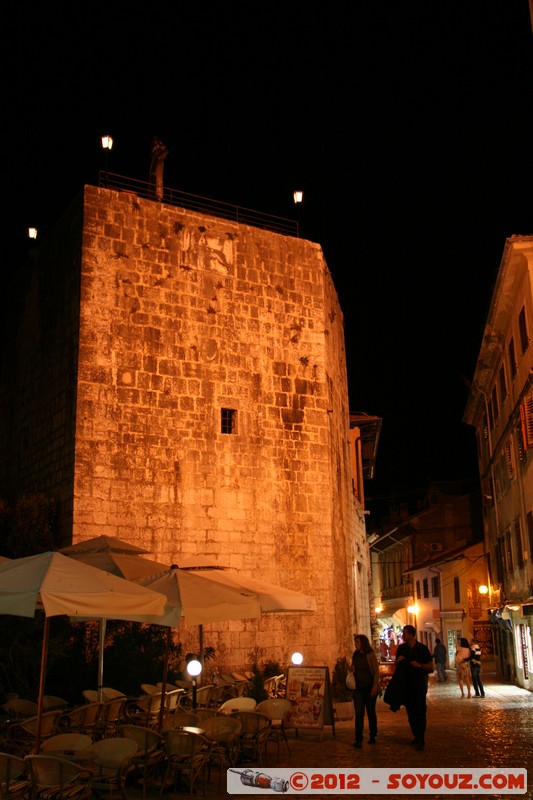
(455, 615)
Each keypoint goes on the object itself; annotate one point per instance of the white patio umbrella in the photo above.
(59, 585)
(272, 597)
(199, 600)
(119, 558)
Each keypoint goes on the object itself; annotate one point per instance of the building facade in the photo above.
(428, 569)
(500, 407)
(178, 380)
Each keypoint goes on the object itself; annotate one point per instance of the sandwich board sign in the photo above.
(309, 690)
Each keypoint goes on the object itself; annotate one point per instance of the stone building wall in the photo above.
(182, 315)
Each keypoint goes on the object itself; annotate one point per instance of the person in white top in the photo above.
(462, 663)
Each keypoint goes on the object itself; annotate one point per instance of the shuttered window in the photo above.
(518, 546)
(526, 419)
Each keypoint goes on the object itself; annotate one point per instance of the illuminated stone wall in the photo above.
(182, 315)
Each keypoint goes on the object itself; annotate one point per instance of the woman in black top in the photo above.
(366, 673)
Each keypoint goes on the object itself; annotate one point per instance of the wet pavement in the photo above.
(491, 732)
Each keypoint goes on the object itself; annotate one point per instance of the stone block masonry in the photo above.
(211, 410)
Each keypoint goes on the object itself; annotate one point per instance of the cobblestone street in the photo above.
(495, 731)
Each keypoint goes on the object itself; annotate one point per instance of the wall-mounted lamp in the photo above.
(297, 659)
(378, 609)
(107, 142)
(32, 233)
(483, 589)
(412, 609)
(298, 196)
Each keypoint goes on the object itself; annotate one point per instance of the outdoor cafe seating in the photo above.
(238, 704)
(279, 710)
(144, 710)
(81, 719)
(187, 757)
(54, 778)
(223, 733)
(255, 730)
(21, 735)
(182, 719)
(113, 761)
(14, 781)
(150, 755)
(66, 743)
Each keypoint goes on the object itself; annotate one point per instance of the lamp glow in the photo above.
(32, 233)
(298, 196)
(412, 609)
(194, 668)
(297, 659)
(483, 589)
(107, 142)
(378, 609)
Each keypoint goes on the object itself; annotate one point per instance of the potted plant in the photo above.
(342, 696)
(256, 688)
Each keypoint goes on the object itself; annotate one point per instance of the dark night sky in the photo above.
(409, 127)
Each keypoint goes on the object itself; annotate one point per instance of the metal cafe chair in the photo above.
(67, 741)
(255, 730)
(55, 778)
(18, 708)
(144, 710)
(14, 780)
(51, 702)
(150, 753)
(238, 704)
(111, 715)
(81, 719)
(279, 710)
(113, 762)
(21, 735)
(182, 719)
(187, 756)
(223, 733)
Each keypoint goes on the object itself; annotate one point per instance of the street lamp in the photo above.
(107, 145)
(298, 197)
(194, 668)
(32, 233)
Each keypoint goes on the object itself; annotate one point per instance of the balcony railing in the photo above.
(205, 205)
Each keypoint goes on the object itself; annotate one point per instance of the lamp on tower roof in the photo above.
(298, 197)
(107, 145)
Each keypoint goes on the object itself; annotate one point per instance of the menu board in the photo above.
(309, 690)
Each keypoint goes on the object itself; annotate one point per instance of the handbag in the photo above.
(350, 681)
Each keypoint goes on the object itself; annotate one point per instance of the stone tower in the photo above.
(181, 384)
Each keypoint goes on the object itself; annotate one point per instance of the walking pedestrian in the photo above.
(462, 663)
(414, 658)
(475, 668)
(366, 673)
(439, 657)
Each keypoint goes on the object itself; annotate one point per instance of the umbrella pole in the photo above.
(44, 652)
(164, 681)
(202, 654)
(101, 646)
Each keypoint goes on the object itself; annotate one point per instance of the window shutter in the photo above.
(526, 418)
(509, 458)
(518, 544)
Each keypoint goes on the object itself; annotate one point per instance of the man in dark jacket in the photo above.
(419, 664)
